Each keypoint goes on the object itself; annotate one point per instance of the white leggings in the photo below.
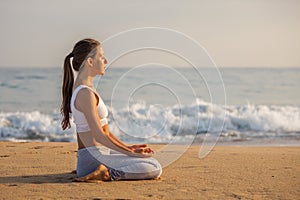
(120, 166)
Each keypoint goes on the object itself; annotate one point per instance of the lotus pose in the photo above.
(101, 155)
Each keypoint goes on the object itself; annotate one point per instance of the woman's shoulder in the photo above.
(86, 94)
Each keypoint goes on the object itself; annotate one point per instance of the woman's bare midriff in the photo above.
(89, 140)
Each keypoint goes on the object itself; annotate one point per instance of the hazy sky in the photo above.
(236, 33)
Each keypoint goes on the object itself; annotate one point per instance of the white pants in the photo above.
(120, 166)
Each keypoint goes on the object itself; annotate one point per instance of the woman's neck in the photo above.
(84, 79)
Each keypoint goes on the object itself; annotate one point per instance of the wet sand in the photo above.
(41, 170)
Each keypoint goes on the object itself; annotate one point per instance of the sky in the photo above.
(253, 33)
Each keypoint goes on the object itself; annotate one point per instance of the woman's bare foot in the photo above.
(100, 174)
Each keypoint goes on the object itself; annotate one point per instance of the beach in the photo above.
(176, 76)
(42, 170)
(257, 155)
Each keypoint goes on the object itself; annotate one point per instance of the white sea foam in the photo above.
(33, 126)
(154, 123)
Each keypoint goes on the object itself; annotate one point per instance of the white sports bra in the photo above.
(79, 118)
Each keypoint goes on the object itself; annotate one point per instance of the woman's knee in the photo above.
(154, 170)
(158, 171)
(155, 173)
(145, 169)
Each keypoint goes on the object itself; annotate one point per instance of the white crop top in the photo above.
(79, 118)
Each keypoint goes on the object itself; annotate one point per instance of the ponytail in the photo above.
(67, 90)
(79, 53)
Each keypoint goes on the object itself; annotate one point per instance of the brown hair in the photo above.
(80, 52)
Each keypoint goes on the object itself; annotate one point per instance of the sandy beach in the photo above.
(42, 170)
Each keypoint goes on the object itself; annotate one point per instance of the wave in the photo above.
(34, 126)
(156, 123)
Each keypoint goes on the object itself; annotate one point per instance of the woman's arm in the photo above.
(106, 130)
(132, 147)
(86, 103)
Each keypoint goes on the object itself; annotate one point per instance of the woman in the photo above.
(95, 162)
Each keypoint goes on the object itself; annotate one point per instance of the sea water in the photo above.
(159, 105)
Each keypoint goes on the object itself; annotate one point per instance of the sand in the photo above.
(41, 170)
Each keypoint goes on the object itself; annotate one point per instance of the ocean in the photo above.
(246, 106)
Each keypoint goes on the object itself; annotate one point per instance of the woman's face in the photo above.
(100, 62)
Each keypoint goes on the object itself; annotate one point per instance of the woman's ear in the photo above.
(89, 61)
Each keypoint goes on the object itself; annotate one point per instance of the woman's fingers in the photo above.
(144, 150)
(142, 145)
(148, 150)
(142, 154)
(137, 146)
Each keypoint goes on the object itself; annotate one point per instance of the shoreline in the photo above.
(196, 142)
(35, 170)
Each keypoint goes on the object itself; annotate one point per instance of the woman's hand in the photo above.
(136, 146)
(141, 151)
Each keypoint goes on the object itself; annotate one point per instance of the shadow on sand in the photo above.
(39, 179)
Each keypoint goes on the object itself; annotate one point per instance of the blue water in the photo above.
(157, 104)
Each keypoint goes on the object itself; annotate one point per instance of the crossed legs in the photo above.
(100, 174)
